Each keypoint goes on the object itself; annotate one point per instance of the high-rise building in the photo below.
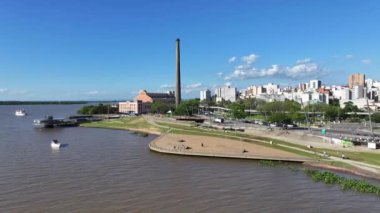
(315, 84)
(356, 79)
(301, 87)
(205, 95)
(345, 94)
(358, 92)
(226, 93)
(272, 88)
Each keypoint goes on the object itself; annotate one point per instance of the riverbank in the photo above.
(219, 147)
(137, 124)
(359, 163)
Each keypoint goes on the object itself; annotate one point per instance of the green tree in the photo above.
(331, 113)
(253, 103)
(160, 107)
(237, 110)
(188, 107)
(280, 118)
(375, 117)
(99, 109)
(280, 107)
(297, 117)
(350, 107)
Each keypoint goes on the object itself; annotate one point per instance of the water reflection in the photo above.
(58, 148)
(55, 149)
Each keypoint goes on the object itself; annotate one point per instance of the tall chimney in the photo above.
(178, 83)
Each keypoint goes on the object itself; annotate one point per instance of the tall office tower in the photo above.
(356, 79)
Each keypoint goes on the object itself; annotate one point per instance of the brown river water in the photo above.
(101, 170)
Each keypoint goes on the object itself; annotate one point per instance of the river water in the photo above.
(101, 170)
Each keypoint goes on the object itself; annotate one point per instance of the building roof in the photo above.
(160, 95)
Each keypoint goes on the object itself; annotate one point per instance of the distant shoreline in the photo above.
(42, 102)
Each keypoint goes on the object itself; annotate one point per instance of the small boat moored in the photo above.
(55, 144)
(20, 112)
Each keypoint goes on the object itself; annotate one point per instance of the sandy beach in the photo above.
(219, 147)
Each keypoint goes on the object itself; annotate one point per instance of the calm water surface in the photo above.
(113, 171)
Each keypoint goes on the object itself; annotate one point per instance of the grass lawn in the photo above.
(139, 123)
(256, 117)
(365, 157)
(127, 123)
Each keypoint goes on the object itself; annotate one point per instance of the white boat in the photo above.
(55, 144)
(20, 112)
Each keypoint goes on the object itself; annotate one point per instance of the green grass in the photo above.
(188, 130)
(256, 117)
(139, 123)
(365, 157)
(127, 123)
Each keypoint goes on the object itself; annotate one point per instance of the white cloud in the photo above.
(185, 88)
(303, 61)
(167, 86)
(366, 61)
(94, 92)
(249, 59)
(302, 69)
(220, 74)
(232, 59)
(4, 90)
(193, 87)
(349, 56)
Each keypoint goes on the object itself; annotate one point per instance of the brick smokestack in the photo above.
(178, 82)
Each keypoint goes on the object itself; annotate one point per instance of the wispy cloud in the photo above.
(232, 59)
(301, 69)
(188, 88)
(4, 90)
(249, 59)
(94, 92)
(366, 61)
(220, 74)
(349, 56)
(193, 87)
(167, 86)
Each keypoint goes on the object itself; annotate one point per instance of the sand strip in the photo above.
(219, 147)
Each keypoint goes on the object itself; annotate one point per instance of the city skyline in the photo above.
(70, 50)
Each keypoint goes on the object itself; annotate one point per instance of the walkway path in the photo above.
(360, 165)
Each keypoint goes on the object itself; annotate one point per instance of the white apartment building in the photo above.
(253, 91)
(272, 88)
(205, 95)
(315, 84)
(357, 92)
(226, 93)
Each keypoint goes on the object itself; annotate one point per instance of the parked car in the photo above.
(219, 120)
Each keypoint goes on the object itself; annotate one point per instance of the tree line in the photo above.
(98, 109)
(286, 112)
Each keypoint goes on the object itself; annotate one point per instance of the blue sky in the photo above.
(110, 49)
